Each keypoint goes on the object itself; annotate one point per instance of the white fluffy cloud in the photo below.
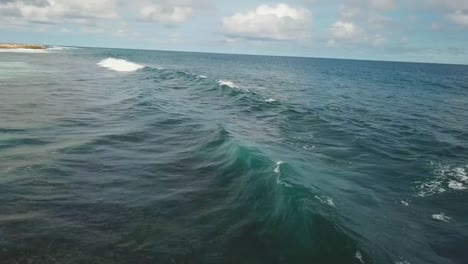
(449, 5)
(456, 11)
(459, 17)
(51, 11)
(172, 15)
(170, 11)
(86, 11)
(348, 32)
(362, 22)
(278, 22)
(383, 5)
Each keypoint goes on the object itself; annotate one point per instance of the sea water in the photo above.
(131, 156)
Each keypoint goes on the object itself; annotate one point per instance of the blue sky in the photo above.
(411, 30)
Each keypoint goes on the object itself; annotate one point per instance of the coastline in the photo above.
(22, 46)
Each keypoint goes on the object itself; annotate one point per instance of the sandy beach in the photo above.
(22, 46)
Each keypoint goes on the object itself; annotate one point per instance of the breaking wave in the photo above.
(120, 65)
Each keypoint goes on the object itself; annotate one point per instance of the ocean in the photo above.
(132, 156)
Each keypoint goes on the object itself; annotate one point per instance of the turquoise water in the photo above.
(171, 157)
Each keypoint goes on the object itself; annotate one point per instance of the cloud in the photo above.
(447, 5)
(455, 11)
(170, 12)
(349, 32)
(435, 26)
(355, 7)
(51, 11)
(278, 22)
(91, 11)
(362, 22)
(382, 5)
(459, 17)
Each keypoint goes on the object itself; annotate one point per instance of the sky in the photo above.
(401, 30)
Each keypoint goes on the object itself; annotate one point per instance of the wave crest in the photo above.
(61, 48)
(229, 84)
(119, 65)
(20, 50)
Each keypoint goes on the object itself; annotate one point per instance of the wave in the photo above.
(445, 177)
(358, 256)
(120, 65)
(325, 200)
(405, 203)
(60, 48)
(229, 84)
(277, 170)
(401, 261)
(270, 100)
(441, 217)
(24, 50)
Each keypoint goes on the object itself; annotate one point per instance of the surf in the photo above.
(119, 65)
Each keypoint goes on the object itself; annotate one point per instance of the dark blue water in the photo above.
(208, 158)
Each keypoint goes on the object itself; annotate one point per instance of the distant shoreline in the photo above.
(22, 46)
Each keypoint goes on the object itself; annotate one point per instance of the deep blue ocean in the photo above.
(131, 156)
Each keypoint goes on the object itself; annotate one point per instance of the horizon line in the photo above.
(263, 55)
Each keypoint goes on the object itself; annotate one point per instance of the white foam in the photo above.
(456, 185)
(270, 100)
(326, 200)
(277, 170)
(201, 76)
(60, 48)
(119, 65)
(431, 188)
(444, 176)
(441, 217)
(461, 174)
(359, 256)
(228, 84)
(402, 261)
(405, 203)
(24, 50)
(277, 167)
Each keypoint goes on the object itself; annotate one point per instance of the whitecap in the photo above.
(402, 261)
(431, 188)
(119, 65)
(201, 76)
(358, 255)
(441, 217)
(24, 50)
(445, 176)
(461, 174)
(270, 100)
(326, 200)
(456, 185)
(405, 203)
(277, 167)
(60, 48)
(280, 182)
(277, 170)
(228, 84)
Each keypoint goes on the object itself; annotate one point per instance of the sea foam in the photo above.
(60, 48)
(119, 65)
(277, 170)
(441, 217)
(228, 84)
(445, 177)
(358, 255)
(24, 50)
(325, 200)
